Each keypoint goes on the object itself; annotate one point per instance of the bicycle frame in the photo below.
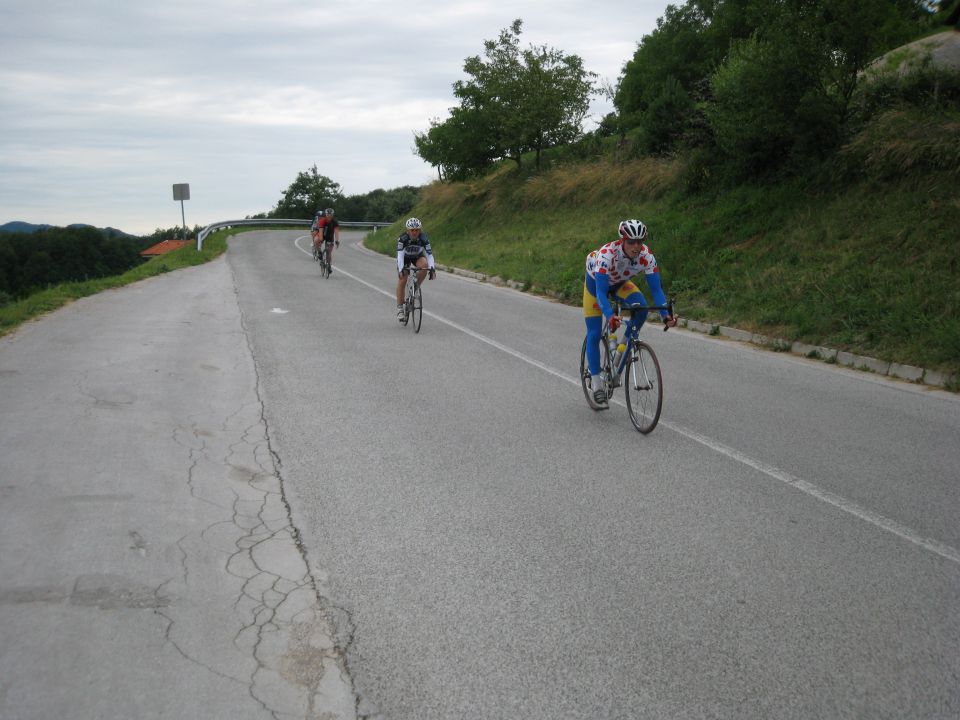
(412, 284)
(631, 331)
(643, 387)
(412, 301)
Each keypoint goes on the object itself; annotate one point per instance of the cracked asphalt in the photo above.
(243, 491)
(149, 565)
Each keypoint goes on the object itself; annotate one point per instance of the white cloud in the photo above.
(104, 106)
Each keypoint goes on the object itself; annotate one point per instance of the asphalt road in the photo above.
(783, 545)
(242, 490)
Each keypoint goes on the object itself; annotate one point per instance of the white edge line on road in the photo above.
(848, 506)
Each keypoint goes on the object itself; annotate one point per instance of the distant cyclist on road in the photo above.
(609, 270)
(413, 248)
(315, 227)
(326, 228)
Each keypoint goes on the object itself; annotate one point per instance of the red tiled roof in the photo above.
(164, 247)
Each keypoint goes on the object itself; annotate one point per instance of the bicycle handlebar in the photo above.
(620, 305)
(406, 270)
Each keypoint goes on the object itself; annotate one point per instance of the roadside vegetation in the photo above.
(868, 265)
(16, 312)
(793, 185)
(796, 165)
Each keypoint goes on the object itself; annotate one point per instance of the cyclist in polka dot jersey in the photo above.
(609, 270)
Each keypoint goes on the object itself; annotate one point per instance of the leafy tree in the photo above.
(663, 84)
(514, 101)
(171, 233)
(459, 146)
(749, 117)
(379, 205)
(785, 92)
(57, 255)
(667, 115)
(817, 49)
(310, 192)
(555, 98)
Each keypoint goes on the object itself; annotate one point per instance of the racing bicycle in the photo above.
(323, 257)
(413, 299)
(626, 360)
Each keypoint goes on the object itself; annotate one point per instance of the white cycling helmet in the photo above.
(632, 230)
(413, 224)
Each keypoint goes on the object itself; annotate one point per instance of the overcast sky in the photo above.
(104, 105)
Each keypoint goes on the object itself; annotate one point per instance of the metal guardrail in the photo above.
(224, 224)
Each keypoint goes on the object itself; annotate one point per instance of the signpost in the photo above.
(181, 192)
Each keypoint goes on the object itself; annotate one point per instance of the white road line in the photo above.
(841, 503)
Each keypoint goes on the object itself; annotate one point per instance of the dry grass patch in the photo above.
(601, 181)
(901, 141)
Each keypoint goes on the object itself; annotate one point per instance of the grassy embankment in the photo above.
(865, 260)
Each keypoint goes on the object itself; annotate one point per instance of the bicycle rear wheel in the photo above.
(417, 311)
(643, 387)
(605, 372)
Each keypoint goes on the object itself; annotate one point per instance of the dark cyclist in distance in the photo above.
(609, 270)
(413, 248)
(325, 228)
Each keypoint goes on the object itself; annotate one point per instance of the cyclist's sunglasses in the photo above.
(632, 241)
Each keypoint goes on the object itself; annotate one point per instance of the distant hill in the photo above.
(18, 226)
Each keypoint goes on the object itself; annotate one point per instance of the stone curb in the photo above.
(828, 355)
(899, 371)
(492, 279)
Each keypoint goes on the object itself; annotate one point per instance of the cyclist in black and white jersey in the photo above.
(413, 248)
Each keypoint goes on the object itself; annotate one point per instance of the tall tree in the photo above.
(514, 101)
(555, 98)
(785, 92)
(461, 145)
(663, 83)
(310, 192)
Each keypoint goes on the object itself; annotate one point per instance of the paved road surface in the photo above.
(481, 544)
(148, 566)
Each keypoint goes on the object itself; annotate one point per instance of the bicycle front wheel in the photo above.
(407, 304)
(643, 387)
(417, 311)
(326, 263)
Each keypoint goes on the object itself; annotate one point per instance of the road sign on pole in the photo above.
(181, 192)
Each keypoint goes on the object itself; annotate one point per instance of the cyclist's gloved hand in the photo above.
(614, 322)
(433, 273)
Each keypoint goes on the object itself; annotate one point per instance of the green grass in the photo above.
(14, 314)
(862, 257)
(867, 264)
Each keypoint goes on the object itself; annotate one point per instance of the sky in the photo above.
(105, 105)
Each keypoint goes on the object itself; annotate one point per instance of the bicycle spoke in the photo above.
(417, 308)
(643, 387)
